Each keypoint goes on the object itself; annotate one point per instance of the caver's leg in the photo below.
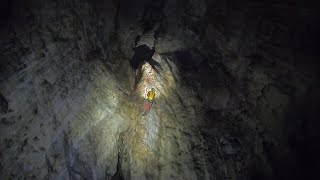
(147, 107)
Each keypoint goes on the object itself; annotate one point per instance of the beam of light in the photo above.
(148, 81)
(147, 139)
(147, 127)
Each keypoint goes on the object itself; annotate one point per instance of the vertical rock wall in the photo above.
(236, 90)
(262, 60)
(55, 89)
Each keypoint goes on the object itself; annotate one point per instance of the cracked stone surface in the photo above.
(237, 89)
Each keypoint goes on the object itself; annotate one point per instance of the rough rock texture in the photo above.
(237, 89)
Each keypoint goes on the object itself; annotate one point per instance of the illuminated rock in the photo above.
(236, 85)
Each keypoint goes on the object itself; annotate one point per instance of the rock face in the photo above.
(237, 90)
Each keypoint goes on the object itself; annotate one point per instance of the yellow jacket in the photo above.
(151, 95)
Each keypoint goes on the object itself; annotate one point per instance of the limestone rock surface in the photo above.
(237, 90)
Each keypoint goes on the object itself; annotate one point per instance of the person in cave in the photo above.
(150, 98)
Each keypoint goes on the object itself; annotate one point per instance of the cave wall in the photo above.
(264, 58)
(68, 107)
(237, 88)
(55, 89)
(255, 66)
